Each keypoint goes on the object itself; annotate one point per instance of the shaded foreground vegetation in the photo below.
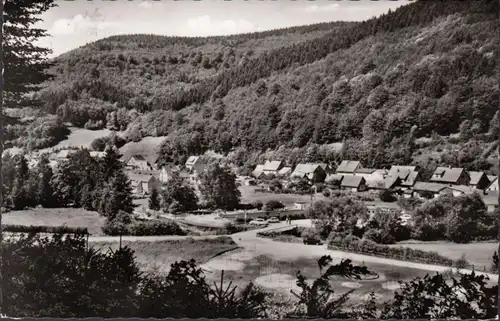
(60, 277)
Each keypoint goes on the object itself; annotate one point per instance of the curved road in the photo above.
(291, 251)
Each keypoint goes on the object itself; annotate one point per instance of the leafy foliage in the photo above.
(218, 187)
(178, 196)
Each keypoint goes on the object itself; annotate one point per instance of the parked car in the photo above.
(273, 219)
(312, 241)
(258, 221)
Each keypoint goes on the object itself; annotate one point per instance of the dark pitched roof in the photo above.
(366, 170)
(475, 177)
(272, 165)
(448, 175)
(348, 166)
(138, 157)
(428, 187)
(352, 181)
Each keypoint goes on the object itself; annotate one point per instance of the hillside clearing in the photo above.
(78, 138)
(72, 217)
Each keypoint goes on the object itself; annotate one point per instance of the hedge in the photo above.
(352, 244)
(146, 228)
(44, 229)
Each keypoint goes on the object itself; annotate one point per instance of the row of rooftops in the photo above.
(404, 176)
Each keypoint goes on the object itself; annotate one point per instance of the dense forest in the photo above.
(426, 69)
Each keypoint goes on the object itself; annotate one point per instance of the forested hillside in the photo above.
(425, 70)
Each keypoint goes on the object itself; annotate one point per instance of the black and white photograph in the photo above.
(250, 159)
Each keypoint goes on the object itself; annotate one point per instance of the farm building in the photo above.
(493, 185)
(138, 162)
(451, 176)
(326, 168)
(479, 180)
(348, 167)
(312, 172)
(65, 154)
(333, 179)
(353, 183)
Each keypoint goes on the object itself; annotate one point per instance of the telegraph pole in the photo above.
(1, 154)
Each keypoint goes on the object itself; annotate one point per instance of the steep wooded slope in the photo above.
(428, 67)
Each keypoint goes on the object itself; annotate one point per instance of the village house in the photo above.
(312, 172)
(425, 189)
(459, 190)
(450, 176)
(167, 172)
(348, 167)
(285, 171)
(301, 205)
(272, 167)
(195, 173)
(402, 177)
(374, 177)
(493, 185)
(138, 162)
(326, 168)
(491, 201)
(373, 207)
(97, 155)
(64, 154)
(479, 180)
(258, 172)
(193, 161)
(143, 184)
(353, 183)
(334, 180)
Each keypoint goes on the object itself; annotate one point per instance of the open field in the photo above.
(158, 256)
(79, 137)
(72, 217)
(478, 254)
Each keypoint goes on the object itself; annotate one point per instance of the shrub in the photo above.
(44, 229)
(387, 196)
(326, 193)
(369, 247)
(274, 205)
(145, 228)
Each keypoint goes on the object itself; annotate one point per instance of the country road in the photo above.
(286, 251)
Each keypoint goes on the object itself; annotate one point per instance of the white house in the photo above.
(138, 162)
(272, 167)
(494, 184)
(143, 184)
(193, 161)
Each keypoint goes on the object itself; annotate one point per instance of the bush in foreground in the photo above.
(351, 243)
